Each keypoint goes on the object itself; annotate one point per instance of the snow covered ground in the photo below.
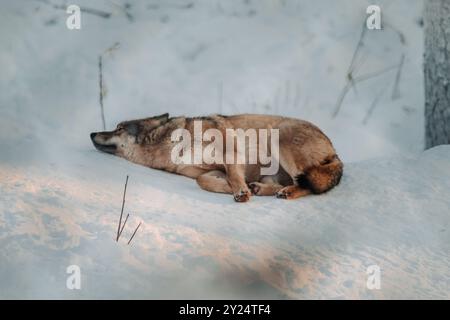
(60, 199)
(393, 213)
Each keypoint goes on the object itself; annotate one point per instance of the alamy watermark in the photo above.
(73, 281)
(236, 147)
(373, 21)
(73, 21)
(373, 277)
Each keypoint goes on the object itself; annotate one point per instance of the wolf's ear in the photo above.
(163, 117)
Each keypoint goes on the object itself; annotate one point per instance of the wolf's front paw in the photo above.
(242, 196)
(286, 193)
(292, 192)
(255, 187)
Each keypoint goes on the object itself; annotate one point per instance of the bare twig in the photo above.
(102, 92)
(395, 90)
(220, 97)
(351, 67)
(92, 11)
(356, 63)
(357, 80)
(401, 35)
(101, 83)
(125, 9)
(357, 66)
(375, 74)
(134, 232)
(111, 49)
(123, 226)
(296, 101)
(373, 105)
(167, 5)
(121, 211)
(344, 91)
(350, 81)
(277, 99)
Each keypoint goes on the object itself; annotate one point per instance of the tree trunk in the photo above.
(437, 72)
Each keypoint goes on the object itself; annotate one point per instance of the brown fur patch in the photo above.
(322, 178)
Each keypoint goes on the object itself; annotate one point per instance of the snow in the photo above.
(391, 212)
(60, 199)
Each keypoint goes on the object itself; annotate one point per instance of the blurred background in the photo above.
(304, 59)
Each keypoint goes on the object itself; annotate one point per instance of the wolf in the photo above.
(308, 163)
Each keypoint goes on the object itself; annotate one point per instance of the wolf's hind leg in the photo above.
(214, 181)
(267, 186)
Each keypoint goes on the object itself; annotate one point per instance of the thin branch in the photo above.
(220, 97)
(344, 92)
(357, 66)
(154, 6)
(296, 101)
(101, 84)
(351, 67)
(373, 105)
(111, 49)
(395, 90)
(123, 226)
(401, 35)
(125, 9)
(134, 232)
(375, 74)
(355, 80)
(102, 92)
(92, 11)
(121, 211)
(350, 81)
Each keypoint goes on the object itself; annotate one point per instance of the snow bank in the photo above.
(393, 213)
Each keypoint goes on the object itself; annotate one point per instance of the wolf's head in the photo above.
(128, 136)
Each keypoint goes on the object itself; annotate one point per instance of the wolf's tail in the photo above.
(323, 177)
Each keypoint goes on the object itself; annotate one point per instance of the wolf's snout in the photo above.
(103, 144)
